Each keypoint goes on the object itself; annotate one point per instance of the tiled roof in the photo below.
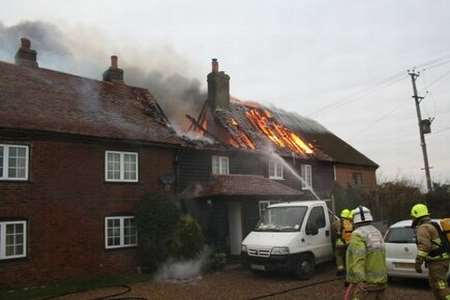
(41, 99)
(240, 185)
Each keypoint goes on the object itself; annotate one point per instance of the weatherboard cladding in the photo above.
(41, 99)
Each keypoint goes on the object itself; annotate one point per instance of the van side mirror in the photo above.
(311, 229)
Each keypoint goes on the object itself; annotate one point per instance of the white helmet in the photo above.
(361, 214)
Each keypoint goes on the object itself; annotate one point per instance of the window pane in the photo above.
(1, 160)
(130, 166)
(14, 242)
(130, 232)
(16, 162)
(113, 166)
(271, 169)
(215, 165)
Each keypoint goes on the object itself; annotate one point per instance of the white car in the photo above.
(401, 251)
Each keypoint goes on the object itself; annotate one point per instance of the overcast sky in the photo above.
(344, 63)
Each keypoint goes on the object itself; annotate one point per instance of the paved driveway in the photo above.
(241, 284)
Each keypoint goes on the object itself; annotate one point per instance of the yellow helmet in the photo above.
(346, 214)
(419, 210)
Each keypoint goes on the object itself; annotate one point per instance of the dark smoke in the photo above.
(85, 53)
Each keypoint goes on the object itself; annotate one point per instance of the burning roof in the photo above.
(249, 126)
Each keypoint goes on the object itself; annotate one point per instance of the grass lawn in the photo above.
(64, 287)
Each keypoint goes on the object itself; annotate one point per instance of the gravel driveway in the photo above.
(241, 284)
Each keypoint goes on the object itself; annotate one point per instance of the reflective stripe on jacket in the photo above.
(366, 258)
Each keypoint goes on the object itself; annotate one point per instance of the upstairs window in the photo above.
(306, 173)
(121, 166)
(120, 232)
(13, 162)
(357, 179)
(220, 165)
(275, 170)
(13, 239)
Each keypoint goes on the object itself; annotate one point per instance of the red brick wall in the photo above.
(344, 175)
(65, 203)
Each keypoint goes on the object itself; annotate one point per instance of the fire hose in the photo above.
(295, 288)
(111, 296)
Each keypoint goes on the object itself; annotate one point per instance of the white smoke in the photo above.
(86, 52)
(188, 270)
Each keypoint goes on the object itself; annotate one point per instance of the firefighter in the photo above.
(366, 262)
(343, 229)
(431, 251)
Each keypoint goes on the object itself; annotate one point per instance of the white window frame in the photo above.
(3, 240)
(122, 166)
(122, 232)
(223, 165)
(306, 174)
(278, 169)
(5, 162)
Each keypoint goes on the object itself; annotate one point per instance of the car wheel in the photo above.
(305, 267)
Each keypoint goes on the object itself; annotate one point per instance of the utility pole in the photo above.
(417, 100)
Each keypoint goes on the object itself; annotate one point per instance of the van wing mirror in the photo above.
(312, 229)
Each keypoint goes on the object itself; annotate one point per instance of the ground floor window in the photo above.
(262, 205)
(120, 232)
(13, 239)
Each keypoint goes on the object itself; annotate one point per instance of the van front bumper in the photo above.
(283, 263)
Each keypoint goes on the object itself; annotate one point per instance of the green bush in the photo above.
(188, 239)
(157, 218)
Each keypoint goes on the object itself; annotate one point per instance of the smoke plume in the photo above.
(86, 52)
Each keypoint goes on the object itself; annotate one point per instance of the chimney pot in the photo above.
(215, 65)
(114, 62)
(26, 56)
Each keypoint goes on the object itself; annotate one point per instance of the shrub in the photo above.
(188, 240)
(157, 217)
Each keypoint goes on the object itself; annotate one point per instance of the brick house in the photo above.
(228, 187)
(76, 155)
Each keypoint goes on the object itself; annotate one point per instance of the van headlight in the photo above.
(243, 248)
(279, 251)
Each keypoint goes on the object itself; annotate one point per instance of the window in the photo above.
(401, 235)
(357, 179)
(220, 165)
(13, 239)
(262, 205)
(121, 166)
(275, 170)
(13, 162)
(317, 217)
(306, 173)
(120, 232)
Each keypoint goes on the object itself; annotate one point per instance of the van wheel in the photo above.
(305, 267)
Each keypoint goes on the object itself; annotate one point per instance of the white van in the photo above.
(291, 236)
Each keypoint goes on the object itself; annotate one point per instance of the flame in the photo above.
(279, 134)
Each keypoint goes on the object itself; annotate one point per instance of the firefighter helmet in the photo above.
(361, 214)
(346, 214)
(419, 210)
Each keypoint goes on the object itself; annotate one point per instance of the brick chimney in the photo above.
(218, 87)
(26, 56)
(114, 73)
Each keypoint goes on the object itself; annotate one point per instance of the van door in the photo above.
(319, 241)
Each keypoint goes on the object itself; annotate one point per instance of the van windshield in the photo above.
(288, 218)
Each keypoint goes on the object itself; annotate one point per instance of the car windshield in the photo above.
(403, 235)
(288, 218)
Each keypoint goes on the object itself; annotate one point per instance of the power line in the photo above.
(390, 80)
